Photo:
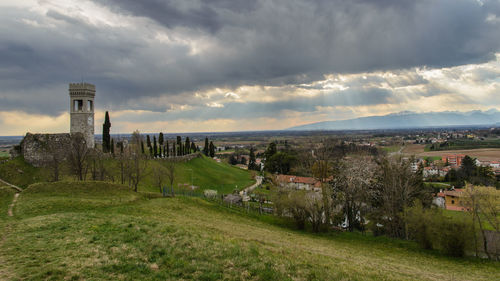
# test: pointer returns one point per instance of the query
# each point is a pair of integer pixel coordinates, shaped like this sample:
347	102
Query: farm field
103	231
486	154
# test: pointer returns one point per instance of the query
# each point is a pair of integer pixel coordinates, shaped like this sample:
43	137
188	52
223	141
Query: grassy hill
203	172
6	195
102	231
22	174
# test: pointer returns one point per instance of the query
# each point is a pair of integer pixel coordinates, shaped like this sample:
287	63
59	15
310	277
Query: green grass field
101	231
6	196
203	172
4	154
390	149
206	174
22	174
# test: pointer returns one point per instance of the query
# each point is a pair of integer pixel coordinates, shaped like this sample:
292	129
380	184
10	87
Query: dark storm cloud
278	42
236	110
205	15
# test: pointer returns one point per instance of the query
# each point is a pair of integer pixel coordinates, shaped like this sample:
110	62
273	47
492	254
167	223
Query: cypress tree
142	147
212	150
187	146
155	147
106	144
148	141
205	149
168	150
179	146
113	146
252	165
173	149
160	139
193	147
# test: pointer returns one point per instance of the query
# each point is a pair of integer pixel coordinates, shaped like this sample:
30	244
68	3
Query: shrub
433	230
209	193
454	237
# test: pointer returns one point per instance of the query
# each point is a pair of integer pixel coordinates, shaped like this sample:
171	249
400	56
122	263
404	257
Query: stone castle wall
37	149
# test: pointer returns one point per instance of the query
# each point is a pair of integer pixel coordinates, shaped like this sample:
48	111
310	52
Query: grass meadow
202	172
103	231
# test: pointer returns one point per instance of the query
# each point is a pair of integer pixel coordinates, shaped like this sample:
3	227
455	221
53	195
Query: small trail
17	188
11	206
252	187
4	273
14	200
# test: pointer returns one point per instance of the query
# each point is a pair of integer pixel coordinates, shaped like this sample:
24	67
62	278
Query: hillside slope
99	231
202	172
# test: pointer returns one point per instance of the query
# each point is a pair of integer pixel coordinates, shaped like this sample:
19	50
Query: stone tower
82	110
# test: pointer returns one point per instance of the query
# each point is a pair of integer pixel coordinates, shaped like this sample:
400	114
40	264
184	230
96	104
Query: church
33	147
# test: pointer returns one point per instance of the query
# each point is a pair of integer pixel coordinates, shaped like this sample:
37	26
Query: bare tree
170	174
349	189
483	204
159	175
77	155
291	203
54	158
396	189
96	163
138	162
315	208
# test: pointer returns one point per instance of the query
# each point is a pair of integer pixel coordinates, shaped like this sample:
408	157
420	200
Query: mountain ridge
408	119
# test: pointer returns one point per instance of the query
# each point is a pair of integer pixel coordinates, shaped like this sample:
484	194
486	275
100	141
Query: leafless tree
170	174
396	189
138	162
350	187
159	174
483	204
315	208
78	155
291	203
54	158
96	163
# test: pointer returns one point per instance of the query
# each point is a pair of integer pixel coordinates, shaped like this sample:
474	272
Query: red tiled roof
455	193
296	179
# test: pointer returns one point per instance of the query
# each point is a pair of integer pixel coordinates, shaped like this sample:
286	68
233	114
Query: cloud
241	58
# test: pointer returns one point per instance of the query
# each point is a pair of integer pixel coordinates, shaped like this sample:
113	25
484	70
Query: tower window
78	105
89	105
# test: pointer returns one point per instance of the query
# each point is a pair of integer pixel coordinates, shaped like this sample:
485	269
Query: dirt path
10	212
252	187
11	206
17	188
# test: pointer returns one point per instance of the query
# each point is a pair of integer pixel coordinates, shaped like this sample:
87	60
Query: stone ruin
38	148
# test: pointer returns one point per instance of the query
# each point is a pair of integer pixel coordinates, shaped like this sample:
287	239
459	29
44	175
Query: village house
453	200
439	200
453	159
300	183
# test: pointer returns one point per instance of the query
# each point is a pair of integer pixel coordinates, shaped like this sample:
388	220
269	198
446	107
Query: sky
233	65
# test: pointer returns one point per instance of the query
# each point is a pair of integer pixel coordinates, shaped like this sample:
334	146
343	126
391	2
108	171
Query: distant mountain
408	119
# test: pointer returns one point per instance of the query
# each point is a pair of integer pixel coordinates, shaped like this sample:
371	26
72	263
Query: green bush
454	237
432	229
